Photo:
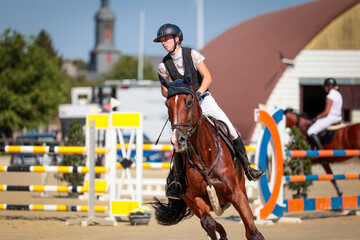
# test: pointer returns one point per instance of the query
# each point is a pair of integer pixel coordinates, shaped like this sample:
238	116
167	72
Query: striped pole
321	177
323	203
58	208
47	188
50	149
82	150
323	153
150	165
150	147
164	147
54	169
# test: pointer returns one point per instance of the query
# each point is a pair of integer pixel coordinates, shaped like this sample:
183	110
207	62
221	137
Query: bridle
190	128
190	131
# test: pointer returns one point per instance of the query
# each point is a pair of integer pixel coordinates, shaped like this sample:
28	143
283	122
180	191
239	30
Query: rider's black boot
251	173
316	141
174	189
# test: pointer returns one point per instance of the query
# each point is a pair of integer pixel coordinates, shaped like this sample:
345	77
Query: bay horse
347	137
208	164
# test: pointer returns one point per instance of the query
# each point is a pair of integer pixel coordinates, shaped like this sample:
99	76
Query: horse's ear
164	81
188	75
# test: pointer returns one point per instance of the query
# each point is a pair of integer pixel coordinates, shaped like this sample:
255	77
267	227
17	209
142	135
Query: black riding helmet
169	29
330	82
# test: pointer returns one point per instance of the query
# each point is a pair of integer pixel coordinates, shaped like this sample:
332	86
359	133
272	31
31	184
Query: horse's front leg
202	211
241	204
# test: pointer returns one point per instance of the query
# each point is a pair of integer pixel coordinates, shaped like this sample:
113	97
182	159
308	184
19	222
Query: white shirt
179	62
208	104
337	103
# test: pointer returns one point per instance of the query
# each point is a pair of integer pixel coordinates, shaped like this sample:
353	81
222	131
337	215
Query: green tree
32	85
43	40
126	68
74	137
298	166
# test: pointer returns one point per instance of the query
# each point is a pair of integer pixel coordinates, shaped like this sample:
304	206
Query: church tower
104	54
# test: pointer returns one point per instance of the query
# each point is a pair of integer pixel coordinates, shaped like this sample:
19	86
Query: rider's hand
314	119
198	95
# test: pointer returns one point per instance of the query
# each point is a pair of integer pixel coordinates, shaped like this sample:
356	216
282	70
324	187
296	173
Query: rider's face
327	88
168	42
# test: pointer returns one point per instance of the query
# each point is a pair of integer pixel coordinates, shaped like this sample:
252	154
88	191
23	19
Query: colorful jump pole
91	218
47	207
270	197
271	193
323	153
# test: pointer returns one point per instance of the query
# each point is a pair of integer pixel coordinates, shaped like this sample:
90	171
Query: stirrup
173	194
251	177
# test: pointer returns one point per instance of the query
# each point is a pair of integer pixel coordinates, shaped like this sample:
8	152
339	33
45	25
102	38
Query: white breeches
322	123
210	107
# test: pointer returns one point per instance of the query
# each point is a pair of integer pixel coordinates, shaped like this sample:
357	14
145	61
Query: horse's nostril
182	140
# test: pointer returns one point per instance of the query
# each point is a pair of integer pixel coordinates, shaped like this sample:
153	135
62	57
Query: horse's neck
203	136
300	122
304	124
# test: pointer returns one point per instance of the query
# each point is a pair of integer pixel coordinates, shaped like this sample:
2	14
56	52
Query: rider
331	114
172	67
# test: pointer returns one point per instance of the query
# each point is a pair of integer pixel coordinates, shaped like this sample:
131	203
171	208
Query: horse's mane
302	115
291	110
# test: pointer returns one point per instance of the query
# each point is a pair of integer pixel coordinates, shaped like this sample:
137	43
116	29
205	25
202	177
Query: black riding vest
188	63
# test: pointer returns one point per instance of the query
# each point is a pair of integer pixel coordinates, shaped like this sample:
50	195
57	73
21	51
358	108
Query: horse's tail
172	212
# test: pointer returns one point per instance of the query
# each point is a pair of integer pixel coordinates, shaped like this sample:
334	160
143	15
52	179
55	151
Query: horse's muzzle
179	141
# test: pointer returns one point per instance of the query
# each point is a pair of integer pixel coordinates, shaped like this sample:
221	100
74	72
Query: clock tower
104	54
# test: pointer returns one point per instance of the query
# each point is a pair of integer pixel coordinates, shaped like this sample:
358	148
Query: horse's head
292	117
183	109
295	119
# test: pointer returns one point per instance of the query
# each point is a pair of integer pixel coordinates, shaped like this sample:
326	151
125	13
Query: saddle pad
337	126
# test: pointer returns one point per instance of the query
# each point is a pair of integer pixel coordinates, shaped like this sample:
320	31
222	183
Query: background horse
347	137
209	162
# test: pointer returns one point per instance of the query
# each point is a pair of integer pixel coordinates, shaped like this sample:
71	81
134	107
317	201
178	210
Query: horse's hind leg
241	205
328	170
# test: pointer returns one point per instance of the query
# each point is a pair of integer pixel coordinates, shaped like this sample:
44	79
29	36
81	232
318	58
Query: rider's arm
164	91
327	108
207	79
165	74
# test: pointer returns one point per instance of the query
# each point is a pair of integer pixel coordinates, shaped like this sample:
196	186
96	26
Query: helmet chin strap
175	44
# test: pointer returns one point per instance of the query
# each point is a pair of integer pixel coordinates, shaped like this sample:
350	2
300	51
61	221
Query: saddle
223	130
328	134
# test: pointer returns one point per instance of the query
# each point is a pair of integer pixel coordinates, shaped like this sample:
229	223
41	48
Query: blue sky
71	24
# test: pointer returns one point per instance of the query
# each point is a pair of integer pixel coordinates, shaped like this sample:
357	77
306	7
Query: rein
195	150
204	171
297	119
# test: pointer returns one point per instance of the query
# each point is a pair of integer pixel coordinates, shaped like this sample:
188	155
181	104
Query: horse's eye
188	102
